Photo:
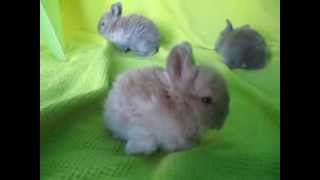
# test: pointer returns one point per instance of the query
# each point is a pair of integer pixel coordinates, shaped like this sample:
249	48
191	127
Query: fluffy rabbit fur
129	33
241	47
168	108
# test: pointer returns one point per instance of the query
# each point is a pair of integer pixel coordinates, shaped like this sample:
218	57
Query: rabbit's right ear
247	26
116	9
180	65
229	27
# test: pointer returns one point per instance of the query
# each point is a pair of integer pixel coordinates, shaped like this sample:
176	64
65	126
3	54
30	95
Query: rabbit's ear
229	27
180	64
116	9
247	26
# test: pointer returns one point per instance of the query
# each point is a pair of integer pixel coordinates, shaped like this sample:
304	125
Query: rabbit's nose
244	65
98	27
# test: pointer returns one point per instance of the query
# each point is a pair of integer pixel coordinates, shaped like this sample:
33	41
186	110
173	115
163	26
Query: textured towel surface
74	143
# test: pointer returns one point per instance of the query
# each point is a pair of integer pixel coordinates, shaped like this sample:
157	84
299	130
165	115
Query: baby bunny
155	108
129	33
241	47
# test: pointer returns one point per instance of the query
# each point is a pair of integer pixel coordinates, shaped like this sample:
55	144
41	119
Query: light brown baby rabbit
130	33
168	108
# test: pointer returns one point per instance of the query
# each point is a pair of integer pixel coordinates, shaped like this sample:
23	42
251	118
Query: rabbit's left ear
229	27
116	9
247	26
180	64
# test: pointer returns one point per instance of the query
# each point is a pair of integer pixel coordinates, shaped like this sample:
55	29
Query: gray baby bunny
242	47
129	33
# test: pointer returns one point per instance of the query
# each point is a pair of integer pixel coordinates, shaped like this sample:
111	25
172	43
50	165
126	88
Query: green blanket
74	142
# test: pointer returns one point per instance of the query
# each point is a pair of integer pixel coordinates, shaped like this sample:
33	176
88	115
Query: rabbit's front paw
142	146
124	48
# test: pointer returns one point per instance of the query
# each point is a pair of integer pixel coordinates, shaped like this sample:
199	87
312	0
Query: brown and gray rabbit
130	33
242	47
155	108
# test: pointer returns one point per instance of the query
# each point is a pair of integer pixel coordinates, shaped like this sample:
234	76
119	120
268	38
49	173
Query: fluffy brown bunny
168	108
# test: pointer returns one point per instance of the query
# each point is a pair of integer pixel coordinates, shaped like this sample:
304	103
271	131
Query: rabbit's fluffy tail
149	53
155	50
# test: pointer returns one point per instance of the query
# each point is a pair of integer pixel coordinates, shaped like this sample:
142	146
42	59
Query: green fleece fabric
74	143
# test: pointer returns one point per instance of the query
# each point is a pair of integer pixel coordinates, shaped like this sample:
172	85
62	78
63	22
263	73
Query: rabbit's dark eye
166	94
102	24
206	100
